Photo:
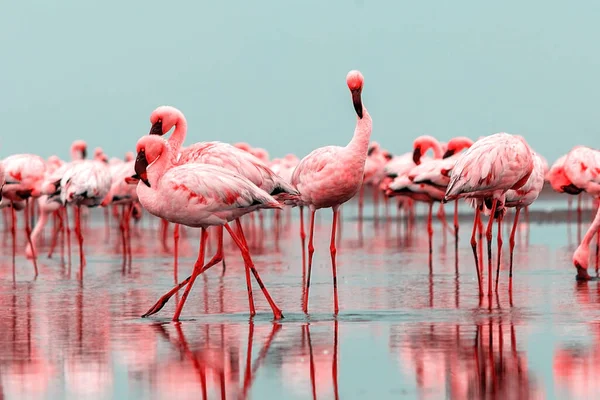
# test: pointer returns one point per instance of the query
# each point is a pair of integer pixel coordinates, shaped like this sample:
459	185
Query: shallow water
405	330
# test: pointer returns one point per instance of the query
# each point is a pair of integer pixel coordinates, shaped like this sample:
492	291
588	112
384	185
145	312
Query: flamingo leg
197	267
303	239
13	214
456	232
499	250
248	261
474	246
311	250
333	252
488	236
57	231
79	237
311	363
376	203
361	202
28	233
579	217
441	214
242	239
175	250
164	230
512	247
68	230
430	230
218	257
334	366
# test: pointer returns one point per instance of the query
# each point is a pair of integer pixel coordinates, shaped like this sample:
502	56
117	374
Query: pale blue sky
272	72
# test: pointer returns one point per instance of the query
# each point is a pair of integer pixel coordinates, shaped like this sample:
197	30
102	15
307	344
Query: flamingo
375	163
485	172
164	118
83	183
198	195
23	175
55	169
330	176
582	169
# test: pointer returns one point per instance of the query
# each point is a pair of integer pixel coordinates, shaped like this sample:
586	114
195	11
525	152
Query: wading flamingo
23	175
489	168
164	118
330	176
198	195
582	169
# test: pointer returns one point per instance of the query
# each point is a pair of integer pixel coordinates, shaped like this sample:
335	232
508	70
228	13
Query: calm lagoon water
404	330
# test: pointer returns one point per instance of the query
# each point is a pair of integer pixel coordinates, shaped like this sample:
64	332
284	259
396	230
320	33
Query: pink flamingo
520	198
485	172
164	118
330	176
198	195
23	174
582	169
55	169
84	183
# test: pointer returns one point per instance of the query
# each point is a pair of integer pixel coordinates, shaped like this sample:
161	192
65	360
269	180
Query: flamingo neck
359	145
178	137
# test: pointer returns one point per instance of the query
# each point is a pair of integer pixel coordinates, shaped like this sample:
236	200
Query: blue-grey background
272	72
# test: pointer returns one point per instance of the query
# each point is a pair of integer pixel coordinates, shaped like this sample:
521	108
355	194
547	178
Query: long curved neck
178	137
359	145
435	146
157	169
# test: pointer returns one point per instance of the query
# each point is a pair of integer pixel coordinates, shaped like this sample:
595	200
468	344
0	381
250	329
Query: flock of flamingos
214	184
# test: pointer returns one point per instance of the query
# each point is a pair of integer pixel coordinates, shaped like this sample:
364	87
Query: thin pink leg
176	251
248	261
333	252
499	255
247	268
474	247
488	235
311	250
68	230
214	261
197	267
79	238
430	230
303	240
57	231
512	248
456	233
28	233
14	234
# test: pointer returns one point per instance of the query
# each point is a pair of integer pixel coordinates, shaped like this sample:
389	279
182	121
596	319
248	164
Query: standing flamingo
330	176
23	175
582	169
84	183
489	168
198	195
164	118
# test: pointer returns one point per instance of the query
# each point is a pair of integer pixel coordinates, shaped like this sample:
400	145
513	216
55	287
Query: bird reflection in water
457	361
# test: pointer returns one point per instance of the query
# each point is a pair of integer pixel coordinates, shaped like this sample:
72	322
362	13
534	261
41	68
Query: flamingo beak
417	155
141	163
157	128
356	100
448	153
84	153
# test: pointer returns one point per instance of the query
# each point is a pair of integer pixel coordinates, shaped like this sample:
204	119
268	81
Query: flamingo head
580	261
79	148
163	119
355	82
457	144
99	155
149	149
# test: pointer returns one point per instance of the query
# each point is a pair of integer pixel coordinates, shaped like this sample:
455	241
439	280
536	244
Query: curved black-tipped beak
370	151
157	128
388	156
571	189
448	153
141	164
417	155
356	100
84	153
